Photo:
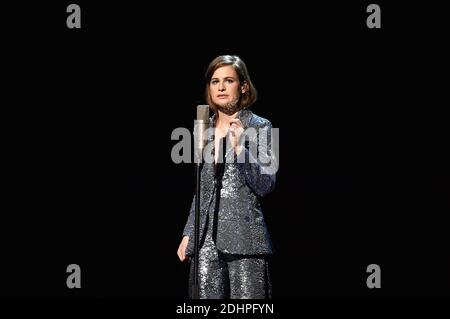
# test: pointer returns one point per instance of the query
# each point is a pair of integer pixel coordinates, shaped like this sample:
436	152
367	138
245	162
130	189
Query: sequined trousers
229	276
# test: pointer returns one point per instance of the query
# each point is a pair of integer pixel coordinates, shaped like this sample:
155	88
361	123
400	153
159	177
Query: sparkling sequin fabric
231	190
228	276
234	241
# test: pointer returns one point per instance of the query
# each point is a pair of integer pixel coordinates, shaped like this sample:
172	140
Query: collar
243	115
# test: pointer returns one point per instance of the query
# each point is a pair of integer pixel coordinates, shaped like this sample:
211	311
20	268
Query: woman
235	245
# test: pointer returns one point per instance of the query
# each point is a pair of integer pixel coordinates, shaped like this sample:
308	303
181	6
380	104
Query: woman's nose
221	87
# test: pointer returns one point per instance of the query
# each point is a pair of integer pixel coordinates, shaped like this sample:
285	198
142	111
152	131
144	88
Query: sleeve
189	227
259	164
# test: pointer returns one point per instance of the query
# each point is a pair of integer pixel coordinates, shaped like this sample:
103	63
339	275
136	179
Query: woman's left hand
236	129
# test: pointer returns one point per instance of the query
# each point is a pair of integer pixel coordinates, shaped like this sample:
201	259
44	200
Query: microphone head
203	113
200	131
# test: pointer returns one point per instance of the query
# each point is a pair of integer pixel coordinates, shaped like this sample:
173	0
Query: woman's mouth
222	96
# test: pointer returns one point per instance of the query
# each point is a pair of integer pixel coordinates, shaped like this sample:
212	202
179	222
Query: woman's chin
227	111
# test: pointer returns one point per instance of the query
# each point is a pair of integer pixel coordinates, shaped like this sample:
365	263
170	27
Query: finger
236	122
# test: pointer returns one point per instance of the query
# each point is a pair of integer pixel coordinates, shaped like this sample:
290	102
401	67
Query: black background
88	116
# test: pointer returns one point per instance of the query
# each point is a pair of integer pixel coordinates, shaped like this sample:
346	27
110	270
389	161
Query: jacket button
247	218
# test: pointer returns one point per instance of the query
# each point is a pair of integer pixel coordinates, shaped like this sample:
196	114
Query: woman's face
225	89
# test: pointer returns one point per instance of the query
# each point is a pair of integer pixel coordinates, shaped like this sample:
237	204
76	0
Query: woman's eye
230	81
214	82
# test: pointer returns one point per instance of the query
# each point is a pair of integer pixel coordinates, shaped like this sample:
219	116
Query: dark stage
88	117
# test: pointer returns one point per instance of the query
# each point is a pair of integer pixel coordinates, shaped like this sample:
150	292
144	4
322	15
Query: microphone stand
201	135
195	286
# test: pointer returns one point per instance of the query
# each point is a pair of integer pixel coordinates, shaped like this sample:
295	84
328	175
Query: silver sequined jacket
231	192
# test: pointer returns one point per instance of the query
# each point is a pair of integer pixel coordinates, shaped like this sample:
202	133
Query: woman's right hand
181	252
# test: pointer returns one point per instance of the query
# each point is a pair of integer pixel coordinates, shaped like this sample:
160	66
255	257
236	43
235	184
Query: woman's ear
244	87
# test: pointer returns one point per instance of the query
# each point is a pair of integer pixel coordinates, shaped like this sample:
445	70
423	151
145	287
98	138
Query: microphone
201	131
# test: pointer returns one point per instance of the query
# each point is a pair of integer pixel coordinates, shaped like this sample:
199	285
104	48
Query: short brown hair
250	95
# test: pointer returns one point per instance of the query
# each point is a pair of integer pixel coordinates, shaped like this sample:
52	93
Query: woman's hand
181	252
236	129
